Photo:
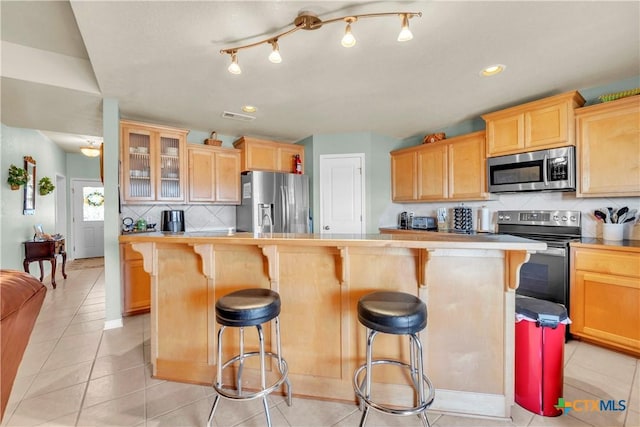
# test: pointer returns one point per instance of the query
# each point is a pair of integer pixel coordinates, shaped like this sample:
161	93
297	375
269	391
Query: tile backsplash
529	201
197	217
221	218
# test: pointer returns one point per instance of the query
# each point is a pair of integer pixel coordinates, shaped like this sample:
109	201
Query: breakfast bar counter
467	282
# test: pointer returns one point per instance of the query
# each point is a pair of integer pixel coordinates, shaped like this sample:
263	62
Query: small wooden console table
45	250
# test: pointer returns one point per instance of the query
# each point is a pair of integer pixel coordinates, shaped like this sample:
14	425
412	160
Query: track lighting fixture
309	21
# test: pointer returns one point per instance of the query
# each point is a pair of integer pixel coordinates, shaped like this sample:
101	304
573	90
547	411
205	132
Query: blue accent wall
15	227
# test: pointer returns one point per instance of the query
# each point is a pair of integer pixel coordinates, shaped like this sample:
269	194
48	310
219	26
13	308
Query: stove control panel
547	218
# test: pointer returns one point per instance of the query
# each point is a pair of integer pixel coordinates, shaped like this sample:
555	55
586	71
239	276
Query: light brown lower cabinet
605	296
136	283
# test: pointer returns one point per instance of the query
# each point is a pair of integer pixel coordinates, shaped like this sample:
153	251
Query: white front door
342	193
88	218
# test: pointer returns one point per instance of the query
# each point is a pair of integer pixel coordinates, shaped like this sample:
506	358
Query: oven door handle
561	252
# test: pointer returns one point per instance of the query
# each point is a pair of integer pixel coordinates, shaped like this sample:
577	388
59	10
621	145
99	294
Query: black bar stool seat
240	309
248	307
392	313
396	313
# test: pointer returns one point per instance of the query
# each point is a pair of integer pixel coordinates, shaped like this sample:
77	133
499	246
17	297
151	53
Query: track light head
274	56
405	33
349	40
234	68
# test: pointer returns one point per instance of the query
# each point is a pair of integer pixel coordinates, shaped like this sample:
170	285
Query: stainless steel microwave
545	170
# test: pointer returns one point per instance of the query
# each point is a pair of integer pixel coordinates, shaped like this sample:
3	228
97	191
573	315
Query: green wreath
95	199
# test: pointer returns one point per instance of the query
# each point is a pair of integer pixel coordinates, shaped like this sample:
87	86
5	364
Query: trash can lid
540	310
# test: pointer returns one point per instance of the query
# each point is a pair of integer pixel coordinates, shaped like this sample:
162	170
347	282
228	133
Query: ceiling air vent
237	116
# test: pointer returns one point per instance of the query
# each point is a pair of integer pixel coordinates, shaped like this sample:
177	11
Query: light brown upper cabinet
214	174
467	171
153	163
451	169
432	172
537	125
404	172
263	155
608	149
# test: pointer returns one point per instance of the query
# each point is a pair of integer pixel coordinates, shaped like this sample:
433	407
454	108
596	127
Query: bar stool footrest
233	394
415	410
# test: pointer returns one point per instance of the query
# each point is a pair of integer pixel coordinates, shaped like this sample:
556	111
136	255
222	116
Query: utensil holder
612	232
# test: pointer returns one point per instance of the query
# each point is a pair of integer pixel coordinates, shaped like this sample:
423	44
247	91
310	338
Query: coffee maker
404	220
172	221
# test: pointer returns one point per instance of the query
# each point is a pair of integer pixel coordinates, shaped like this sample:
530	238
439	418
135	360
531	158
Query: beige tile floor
75	373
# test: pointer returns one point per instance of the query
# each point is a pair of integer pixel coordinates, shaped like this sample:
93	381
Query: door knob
326	227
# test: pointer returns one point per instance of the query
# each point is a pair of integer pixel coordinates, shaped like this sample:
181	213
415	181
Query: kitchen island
467	282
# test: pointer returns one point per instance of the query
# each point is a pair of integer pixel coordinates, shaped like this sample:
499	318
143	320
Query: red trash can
539	354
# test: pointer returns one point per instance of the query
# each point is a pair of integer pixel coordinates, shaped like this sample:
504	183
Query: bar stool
249	307
395	313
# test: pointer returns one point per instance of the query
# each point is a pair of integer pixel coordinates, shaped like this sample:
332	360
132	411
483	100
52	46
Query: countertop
409	240
590	242
419	230
593	242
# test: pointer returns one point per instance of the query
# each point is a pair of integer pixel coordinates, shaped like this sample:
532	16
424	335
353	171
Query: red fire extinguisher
298	164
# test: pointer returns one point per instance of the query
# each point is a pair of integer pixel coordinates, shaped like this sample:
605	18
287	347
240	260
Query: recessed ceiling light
492	70
249	109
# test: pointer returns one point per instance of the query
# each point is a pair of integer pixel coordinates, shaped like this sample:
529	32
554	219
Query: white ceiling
161	61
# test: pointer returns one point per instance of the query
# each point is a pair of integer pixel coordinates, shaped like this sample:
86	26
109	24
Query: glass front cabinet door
153	163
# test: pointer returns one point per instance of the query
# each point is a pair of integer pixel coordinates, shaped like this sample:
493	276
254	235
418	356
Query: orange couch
21	297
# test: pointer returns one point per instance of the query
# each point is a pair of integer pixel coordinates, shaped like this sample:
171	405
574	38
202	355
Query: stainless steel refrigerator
274	201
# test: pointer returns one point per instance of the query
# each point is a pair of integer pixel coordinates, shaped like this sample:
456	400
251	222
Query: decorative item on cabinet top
213	141
613	96
434	137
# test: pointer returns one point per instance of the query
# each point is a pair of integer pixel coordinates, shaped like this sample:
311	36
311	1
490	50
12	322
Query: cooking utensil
629	216
600	215
621	214
610	216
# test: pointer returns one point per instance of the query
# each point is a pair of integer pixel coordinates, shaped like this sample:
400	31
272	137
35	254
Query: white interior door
342	193
88	218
